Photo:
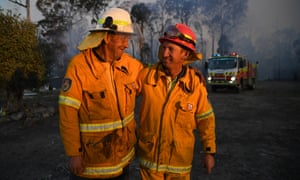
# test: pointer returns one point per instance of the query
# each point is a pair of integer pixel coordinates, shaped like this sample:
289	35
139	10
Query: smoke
268	34
268	16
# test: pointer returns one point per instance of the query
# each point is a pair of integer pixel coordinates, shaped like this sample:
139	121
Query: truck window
222	63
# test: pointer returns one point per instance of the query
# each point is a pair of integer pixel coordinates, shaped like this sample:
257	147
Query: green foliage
18	49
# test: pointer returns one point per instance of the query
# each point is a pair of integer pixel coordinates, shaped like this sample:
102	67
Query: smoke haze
266	16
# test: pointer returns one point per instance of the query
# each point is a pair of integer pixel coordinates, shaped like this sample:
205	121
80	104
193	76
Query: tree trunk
14	100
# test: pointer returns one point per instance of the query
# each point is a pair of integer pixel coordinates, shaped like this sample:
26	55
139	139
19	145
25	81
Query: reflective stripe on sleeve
165	168
94	171
69	101
204	115
100	127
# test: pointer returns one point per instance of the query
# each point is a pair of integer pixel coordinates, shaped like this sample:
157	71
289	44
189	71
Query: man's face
173	56
117	43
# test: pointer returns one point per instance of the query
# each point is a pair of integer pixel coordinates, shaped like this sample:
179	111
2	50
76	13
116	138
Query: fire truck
231	71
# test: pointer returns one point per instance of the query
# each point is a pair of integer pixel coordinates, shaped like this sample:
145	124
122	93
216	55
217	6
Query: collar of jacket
92	58
185	81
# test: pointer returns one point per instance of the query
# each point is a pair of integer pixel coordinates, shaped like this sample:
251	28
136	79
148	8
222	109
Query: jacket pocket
98	149
131	128
124	140
185	115
98	104
183	150
146	146
184	139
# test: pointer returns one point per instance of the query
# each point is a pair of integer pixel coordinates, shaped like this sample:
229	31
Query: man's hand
76	165
208	162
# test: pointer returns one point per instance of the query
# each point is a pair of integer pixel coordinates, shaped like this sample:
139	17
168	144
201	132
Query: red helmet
180	34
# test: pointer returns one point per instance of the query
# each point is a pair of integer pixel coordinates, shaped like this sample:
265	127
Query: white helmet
115	19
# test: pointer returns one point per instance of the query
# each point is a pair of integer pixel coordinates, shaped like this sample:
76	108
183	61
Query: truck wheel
252	86
238	89
240	86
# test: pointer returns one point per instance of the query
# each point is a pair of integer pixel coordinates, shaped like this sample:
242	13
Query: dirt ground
258	138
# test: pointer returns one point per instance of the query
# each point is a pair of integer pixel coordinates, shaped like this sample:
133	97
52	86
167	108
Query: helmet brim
109	30
92	40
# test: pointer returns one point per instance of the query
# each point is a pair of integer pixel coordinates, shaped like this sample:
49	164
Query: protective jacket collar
186	80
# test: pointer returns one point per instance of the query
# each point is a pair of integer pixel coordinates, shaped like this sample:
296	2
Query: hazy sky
264	15
267	16
34	13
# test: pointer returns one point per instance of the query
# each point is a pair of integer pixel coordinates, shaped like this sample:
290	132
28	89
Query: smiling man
97	100
174	104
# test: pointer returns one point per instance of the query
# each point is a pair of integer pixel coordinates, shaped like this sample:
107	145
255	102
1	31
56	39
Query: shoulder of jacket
132	59
145	69
151	67
128	57
77	59
148	70
198	74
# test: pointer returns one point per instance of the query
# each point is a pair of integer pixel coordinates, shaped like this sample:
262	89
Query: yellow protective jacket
168	119
95	121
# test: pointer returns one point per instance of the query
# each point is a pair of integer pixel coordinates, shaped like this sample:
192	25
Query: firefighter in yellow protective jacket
97	101
174	103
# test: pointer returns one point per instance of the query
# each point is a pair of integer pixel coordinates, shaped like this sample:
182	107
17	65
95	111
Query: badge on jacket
66	84
189	106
